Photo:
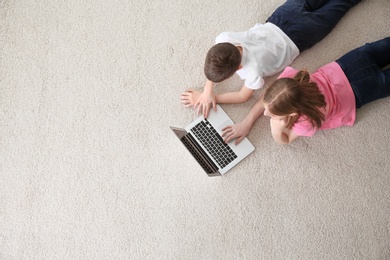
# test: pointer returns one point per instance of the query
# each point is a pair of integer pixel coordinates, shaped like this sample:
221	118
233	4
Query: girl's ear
293	114
239	67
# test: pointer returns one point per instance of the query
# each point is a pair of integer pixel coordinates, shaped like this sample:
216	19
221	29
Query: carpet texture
90	170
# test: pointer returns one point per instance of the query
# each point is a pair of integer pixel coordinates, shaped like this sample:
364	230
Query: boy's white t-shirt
267	50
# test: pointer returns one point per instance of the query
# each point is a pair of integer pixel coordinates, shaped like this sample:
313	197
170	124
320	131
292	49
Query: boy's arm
235	97
240	130
206	99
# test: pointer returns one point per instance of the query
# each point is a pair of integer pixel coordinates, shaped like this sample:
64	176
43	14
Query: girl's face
267	113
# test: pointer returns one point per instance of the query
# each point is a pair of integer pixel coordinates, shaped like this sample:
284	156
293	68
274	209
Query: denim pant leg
304	27
363	68
312	5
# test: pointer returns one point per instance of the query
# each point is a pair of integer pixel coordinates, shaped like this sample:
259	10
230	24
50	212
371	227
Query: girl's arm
240	130
281	134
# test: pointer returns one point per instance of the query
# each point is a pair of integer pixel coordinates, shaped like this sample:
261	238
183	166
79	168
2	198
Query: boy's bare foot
189	97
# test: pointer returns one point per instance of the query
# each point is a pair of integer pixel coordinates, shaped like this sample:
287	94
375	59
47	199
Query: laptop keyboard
209	137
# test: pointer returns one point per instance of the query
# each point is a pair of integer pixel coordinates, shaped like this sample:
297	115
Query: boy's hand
189	97
204	103
238	131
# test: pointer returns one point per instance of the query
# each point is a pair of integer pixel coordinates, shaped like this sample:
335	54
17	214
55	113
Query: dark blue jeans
363	67
307	22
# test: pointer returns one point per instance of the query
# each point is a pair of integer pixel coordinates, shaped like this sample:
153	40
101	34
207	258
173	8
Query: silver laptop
204	141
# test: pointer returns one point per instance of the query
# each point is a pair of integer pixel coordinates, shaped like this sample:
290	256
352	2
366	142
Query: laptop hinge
203	159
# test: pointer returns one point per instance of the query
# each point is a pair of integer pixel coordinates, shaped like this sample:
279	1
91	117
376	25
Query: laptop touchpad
223	125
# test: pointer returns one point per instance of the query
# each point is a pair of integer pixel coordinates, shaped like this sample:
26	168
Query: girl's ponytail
303	77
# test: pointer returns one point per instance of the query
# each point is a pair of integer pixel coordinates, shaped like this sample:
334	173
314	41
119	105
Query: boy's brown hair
222	61
297	95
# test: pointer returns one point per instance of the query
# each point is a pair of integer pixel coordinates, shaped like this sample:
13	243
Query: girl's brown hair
296	95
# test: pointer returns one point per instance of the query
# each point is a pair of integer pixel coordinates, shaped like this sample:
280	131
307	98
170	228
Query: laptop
203	140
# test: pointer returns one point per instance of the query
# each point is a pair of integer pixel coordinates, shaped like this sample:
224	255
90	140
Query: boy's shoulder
222	37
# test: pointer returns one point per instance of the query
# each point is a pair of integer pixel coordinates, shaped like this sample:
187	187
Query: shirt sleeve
222	37
288	72
303	127
254	84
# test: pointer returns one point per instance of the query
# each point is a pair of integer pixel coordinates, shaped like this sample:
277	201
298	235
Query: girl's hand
238	131
280	133
277	126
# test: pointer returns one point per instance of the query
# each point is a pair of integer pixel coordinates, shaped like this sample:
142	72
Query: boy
265	49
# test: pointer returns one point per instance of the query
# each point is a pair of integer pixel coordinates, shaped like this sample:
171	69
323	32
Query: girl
300	104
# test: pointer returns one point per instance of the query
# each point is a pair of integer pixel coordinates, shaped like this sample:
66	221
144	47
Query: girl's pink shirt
340	100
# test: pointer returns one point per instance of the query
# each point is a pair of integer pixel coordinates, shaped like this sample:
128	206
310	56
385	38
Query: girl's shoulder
303	127
288	72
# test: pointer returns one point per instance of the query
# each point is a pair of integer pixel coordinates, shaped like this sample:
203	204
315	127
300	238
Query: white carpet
90	170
